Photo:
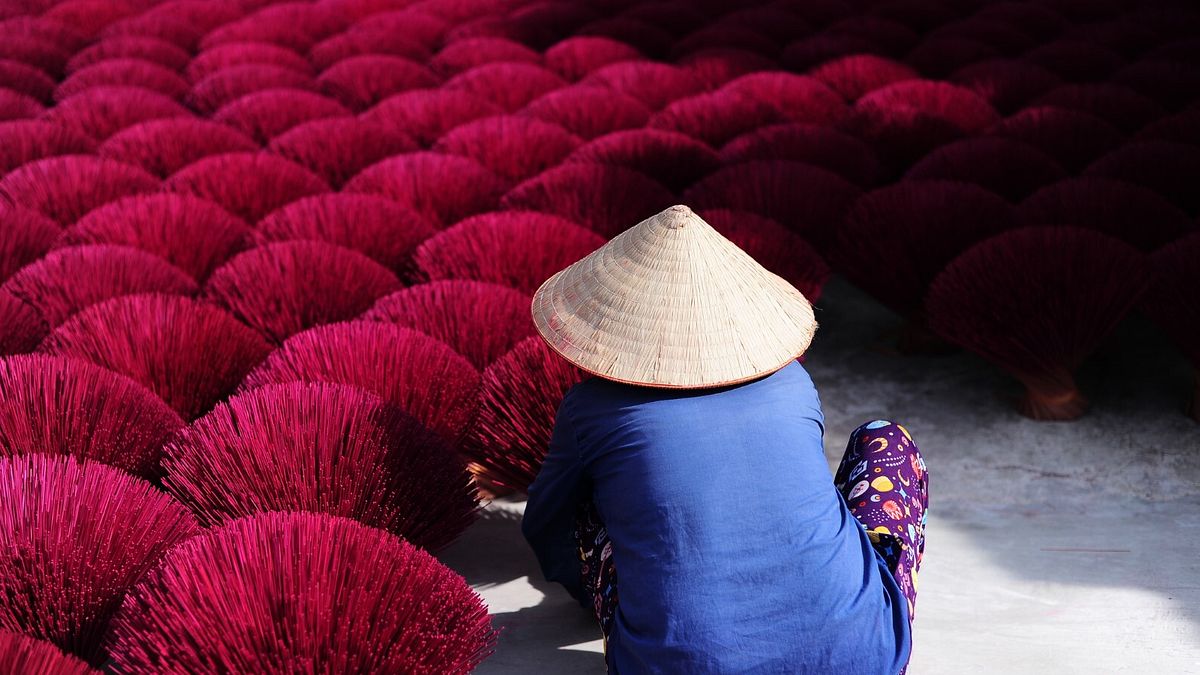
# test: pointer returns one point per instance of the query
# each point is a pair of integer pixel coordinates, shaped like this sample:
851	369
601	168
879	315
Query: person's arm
549	521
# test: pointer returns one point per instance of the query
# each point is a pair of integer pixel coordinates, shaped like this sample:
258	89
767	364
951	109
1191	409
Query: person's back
734	550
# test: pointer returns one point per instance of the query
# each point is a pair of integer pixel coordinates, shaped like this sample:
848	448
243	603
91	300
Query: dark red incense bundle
1076	61
1008	84
359	41
234	54
165	146
1120	106
576	57
263	115
1011	169
14	106
66	406
443	188
653	84
70	279
520	397
939	55
641	35
480	320
74	538
23	325
508	85
282	592
66	187
322	448
337	148
924	223
248	185
192	234
421	374
715	118
796	98
809	53
1071	137
230	83
809	200
359	82
676	160
463	55
281	289
589	111
27	80
123	73
1127	38
892	36
24	655
27	237
1182	127
1171	302
151	50
721	35
677	17
1127	211
1052	296
518	249
957	106
1170	169
999	34
775	247
827	148
513	147
1038	20
376	227
426	114
717	67
604	198
101	112
189	353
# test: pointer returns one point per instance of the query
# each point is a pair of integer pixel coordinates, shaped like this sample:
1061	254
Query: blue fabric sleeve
549	521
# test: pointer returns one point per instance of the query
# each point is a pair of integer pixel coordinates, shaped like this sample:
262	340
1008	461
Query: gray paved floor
1051	547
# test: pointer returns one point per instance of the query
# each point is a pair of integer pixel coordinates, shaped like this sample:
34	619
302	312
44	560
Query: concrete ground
1051	547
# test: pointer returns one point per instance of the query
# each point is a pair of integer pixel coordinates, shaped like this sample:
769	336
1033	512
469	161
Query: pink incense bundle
1120	106
1071	137
426	114
463	55
230	83
68	280
62	406
603	198
519	400
192	234
1008	84
14	106
41	53
576	57
101	112
283	288
716	117
775	247
87	17
422	375
808	200
513	147
338	148
443	188
1051	297
415	26
480	320
74	538
26	80
23	325
165	146
1130	212
359	42
517	249
376	227
717	67
1076	60
778	22
676	160
653	84
148	49
797	98
234	54
28	235
1170	169
263	115
68	186
292	592
179	33
24	655
295	25
204	15
508	85
859	74
123	73
809	53
589	111
321	448
248	185
188	353
820	146
1172	304
924	223
1011	169
359	82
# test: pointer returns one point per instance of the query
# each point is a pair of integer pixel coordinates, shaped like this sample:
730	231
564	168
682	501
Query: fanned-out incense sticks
463	55
589	111
24	327
66	187
359	82
264	115
860	74
1172	303
508	85
1011	169
1129	212
229	83
1072	137
576	57
165	146
149	49
820	146
338	148
674	159
28	235
425	114
775	247
24	655
443	188
23	141
100	112
234	54
123	73
513	147
601	197
248	185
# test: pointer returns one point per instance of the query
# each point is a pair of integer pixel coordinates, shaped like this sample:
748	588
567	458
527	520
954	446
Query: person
685	497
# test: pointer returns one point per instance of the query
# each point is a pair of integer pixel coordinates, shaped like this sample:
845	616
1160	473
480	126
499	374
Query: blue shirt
734	551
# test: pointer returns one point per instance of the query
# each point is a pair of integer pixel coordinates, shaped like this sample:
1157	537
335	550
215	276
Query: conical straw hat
672	303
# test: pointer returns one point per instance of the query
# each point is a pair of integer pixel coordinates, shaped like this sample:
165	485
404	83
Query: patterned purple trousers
883	479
